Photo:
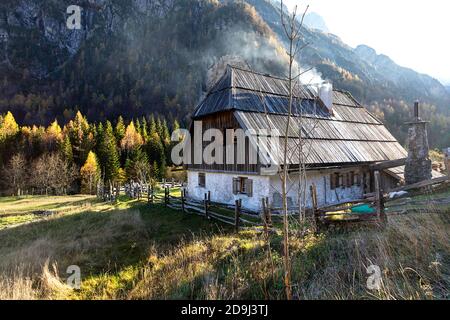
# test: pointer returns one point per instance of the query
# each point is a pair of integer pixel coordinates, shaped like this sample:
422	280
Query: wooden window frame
357	179
243	186
350	179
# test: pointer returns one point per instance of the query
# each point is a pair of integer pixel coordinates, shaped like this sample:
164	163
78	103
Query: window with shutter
201	180
243	185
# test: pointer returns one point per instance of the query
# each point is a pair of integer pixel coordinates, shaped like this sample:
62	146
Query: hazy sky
414	33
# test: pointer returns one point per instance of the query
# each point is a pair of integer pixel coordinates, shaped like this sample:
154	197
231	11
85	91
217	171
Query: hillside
131	250
131	58
388	89
315	21
146	56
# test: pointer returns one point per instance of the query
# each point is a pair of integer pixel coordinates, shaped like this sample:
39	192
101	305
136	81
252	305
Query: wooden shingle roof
350	134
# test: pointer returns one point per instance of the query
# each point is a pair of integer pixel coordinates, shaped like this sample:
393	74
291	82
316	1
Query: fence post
152	199
209	197
237	214
182	200
269	213
379	201
166	199
205	203
314	203
264	216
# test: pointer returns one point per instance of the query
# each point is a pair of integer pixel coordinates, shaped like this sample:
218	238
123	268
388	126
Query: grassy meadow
132	250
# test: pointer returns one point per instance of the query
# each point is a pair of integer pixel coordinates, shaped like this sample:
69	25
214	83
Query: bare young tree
51	174
292	29
15	174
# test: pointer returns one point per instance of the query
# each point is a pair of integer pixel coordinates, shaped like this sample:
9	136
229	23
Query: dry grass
137	252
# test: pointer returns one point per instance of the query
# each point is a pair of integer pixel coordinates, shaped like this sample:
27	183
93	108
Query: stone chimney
447	161
418	164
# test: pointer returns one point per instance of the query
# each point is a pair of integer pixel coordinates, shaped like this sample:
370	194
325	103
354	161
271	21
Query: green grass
132	250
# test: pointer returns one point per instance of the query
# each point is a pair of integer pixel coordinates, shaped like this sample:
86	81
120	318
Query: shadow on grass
99	242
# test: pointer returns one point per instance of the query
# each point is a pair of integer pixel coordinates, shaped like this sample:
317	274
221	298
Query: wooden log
421	184
387	164
338	206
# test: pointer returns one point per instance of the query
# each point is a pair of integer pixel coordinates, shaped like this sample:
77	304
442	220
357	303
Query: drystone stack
418	164
447	161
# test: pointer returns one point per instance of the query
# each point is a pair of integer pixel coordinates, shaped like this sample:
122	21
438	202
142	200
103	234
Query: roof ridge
268	75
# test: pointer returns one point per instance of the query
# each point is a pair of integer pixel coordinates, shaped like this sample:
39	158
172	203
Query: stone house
342	138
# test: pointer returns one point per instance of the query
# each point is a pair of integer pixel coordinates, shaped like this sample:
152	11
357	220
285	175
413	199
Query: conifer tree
108	154
120	129
66	149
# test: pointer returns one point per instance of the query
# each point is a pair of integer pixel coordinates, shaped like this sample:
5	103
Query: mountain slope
370	77
315	21
386	88
151	56
130	58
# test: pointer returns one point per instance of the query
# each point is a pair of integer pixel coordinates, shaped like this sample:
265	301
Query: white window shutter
235	186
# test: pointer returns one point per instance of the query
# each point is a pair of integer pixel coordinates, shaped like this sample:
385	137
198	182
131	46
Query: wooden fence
240	218
235	216
381	203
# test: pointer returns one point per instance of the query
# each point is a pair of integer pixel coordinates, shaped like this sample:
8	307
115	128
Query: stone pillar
418	164
447	161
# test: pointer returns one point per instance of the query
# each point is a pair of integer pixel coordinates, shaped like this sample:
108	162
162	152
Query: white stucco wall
221	187
323	185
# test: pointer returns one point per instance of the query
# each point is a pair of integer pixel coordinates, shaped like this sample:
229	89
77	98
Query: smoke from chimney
326	95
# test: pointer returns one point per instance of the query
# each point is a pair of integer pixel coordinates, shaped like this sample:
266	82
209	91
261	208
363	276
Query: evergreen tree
120	129
137	166
81	137
108	154
66	149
